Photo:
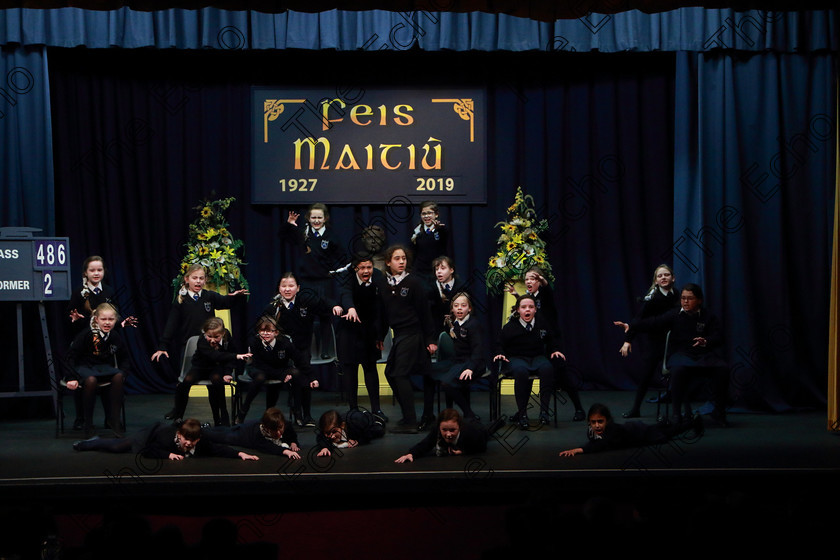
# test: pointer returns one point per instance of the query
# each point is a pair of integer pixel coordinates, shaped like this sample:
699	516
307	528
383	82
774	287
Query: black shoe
523	422
204	425
78	424
80	445
381	416
426	422
171	415
514	418
308	422
579	416
403	427
631	414
240	418
544	419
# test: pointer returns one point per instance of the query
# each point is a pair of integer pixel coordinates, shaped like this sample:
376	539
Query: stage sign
372	147
33	268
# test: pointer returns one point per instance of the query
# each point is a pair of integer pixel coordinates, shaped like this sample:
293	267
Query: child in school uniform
83	301
269	435
430	239
445	286
99	354
166	441
357	427
192	307
457	373
406	312
525	344
451	436
359	332
214	359
660	298
605	435
322	255
295	310
273	356
90	294
536	285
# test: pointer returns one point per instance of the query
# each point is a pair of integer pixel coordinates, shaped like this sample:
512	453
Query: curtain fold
754	186
26	163
685	29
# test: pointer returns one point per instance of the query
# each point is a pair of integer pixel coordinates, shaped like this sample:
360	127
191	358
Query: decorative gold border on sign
273	108
464	108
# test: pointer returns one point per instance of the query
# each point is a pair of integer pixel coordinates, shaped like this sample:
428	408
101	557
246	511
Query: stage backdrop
137	149
617	151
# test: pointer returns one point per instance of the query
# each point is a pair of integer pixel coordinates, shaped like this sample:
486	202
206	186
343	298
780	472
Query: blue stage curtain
26	163
754	190
685	29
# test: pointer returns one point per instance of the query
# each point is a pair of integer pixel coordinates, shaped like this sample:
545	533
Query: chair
666	376
186	362
245	378
446	351
502	373
386	347
318	348
63	391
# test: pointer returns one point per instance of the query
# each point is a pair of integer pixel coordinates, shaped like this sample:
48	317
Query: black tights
113	399
215	394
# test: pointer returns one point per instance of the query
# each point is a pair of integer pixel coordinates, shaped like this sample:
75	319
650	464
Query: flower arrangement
211	245
519	245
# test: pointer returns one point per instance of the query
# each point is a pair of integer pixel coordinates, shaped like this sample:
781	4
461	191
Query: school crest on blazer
302	311
208	307
404	292
281	354
324	244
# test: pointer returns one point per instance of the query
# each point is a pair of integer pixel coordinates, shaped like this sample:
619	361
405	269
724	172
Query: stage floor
788	444
784	458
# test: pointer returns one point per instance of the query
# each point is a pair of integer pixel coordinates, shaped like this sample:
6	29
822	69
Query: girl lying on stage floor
357	427
605	435
271	434
452	436
165	441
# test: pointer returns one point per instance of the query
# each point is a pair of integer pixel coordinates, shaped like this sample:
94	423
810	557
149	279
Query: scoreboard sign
368	146
34	268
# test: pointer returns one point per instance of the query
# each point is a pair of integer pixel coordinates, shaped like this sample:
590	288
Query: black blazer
84	352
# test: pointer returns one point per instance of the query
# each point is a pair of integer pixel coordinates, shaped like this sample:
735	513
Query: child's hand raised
292	219
156	356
